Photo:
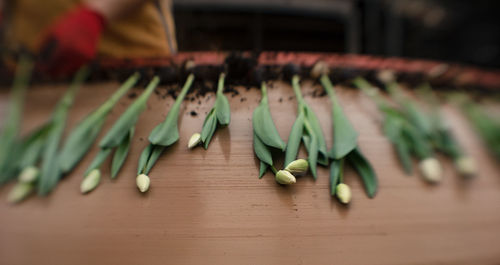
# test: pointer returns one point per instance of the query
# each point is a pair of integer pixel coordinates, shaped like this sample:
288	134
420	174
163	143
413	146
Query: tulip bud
284	177
90	181
194	140
431	169
320	68
20	192
386	76
29	175
142	181
298	167
343	193
466	166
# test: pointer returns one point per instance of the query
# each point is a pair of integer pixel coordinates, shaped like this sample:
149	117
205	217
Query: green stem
263	89
341	174
183	93
296	88
108	105
220	87
273	169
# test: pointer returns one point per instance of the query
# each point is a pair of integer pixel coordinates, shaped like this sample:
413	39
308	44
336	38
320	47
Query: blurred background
450	30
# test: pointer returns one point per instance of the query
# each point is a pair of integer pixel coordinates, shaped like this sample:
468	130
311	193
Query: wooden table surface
209	207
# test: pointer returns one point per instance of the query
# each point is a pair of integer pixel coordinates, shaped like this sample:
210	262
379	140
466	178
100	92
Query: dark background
449	30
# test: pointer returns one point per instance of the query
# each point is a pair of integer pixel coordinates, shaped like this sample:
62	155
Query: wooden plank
209	207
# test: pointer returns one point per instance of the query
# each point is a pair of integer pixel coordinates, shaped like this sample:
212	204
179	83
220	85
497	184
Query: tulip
142	182
285	178
298	167
343	193
431	170
91	181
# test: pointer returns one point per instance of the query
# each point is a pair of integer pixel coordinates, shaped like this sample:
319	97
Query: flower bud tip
431	170
285	178
29	175
466	166
90	181
343	192
297	167
20	191
142	182
194	140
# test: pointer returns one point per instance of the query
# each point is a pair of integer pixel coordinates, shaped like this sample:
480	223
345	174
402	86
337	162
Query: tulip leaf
417	143
12	123
316	129
143	159
393	131
336	171
312	155
84	134
262	169
365	170
50	171
98	160
155	154
264	127
209	126
121	153
33	146
222	104
292	147
261	150
129	118
167	132
345	137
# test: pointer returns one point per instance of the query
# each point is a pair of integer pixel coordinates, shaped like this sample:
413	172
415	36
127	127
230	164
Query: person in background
66	34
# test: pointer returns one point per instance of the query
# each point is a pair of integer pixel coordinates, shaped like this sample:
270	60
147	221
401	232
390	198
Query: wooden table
209	207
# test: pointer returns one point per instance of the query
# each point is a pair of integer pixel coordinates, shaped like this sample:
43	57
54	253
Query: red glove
71	41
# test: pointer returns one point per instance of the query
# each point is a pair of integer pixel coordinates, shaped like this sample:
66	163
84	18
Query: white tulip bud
297	167
284	177
466	166
386	76
29	175
90	181
343	193
142	181
194	140
20	192
431	170
189	65
319	69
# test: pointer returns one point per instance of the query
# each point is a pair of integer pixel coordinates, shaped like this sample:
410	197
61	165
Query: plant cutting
266	138
345	148
306	129
483	122
162	136
9	144
50	171
219	115
405	137
82	137
442	137
118	138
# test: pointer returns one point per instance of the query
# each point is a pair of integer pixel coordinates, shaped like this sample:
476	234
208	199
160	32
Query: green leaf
318	132
143	159
264	127
121	154
155	154
365	170
263	169
393	126
167	133
294	138
336	172
345	137
98	160
209	126
50	171
32	146
128	119
222	104
84	134
12	123
261	150
417	142
312	156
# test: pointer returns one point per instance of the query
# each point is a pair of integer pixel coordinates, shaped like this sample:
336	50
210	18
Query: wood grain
209	207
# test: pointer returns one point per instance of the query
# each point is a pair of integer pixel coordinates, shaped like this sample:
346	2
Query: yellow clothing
148	32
